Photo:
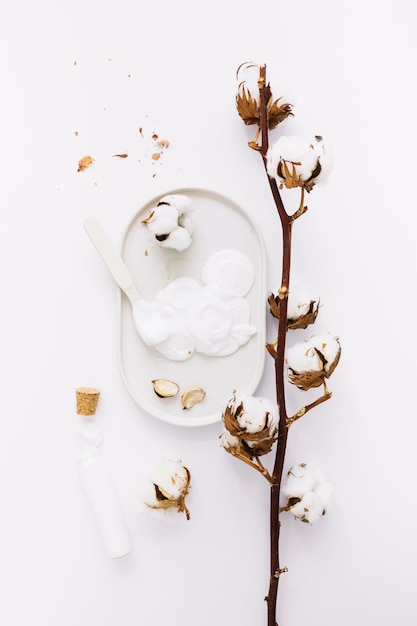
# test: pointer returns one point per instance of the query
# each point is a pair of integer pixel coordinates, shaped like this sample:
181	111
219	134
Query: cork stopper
87	398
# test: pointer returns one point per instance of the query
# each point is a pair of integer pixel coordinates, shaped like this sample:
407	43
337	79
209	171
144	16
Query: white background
103	70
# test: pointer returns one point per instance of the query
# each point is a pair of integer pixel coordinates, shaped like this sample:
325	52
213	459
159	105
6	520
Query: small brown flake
123	155
84	163
163	143
156	156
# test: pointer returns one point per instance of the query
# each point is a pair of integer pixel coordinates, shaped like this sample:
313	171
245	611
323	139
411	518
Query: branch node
280	571
271	349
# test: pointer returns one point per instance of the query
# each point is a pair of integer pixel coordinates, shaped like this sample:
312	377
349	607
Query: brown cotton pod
307	380
302	321
86	400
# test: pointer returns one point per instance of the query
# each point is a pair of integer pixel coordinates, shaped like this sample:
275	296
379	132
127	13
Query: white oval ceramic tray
219	224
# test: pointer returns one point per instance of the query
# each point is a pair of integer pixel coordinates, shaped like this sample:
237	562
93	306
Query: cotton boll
254	413
171	483
171	221
171	477
325	158
300	481
308	493
298	162
309	508
302	357
298	305
309	363
253	421
177	200
253	416
178	239
228	440
324	492
185	211
328	346
186	220
163	220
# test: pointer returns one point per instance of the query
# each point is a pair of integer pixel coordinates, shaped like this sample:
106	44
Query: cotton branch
293	163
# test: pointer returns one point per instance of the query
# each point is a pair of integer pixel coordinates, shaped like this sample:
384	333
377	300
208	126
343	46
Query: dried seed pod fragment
84	163
165	388
192	396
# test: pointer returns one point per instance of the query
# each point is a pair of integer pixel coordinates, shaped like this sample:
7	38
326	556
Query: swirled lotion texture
212	318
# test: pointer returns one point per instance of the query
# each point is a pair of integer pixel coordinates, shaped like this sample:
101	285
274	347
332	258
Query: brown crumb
146	253
156	156
76	133
163	143
84	163
123	155
141	131
155	137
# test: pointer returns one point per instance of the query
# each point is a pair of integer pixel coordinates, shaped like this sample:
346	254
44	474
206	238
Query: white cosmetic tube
104	504
95	477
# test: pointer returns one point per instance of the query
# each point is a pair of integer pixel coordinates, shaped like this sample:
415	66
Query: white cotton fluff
311	489
328	346
177	200
171	478
302	153
172	222
298	305
304	356
163	220
228	440
178	239
256	413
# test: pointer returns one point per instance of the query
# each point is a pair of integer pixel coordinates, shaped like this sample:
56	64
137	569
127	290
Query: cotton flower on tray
308	493
170	485
171	222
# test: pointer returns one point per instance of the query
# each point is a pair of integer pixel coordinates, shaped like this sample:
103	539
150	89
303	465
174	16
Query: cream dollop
212	318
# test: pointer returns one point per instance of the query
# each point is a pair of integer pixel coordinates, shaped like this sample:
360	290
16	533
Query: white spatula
112	258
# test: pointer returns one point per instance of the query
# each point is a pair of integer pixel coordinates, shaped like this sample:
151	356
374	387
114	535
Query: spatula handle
111	258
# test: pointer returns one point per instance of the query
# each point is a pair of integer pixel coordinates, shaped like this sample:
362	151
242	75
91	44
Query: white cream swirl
212	319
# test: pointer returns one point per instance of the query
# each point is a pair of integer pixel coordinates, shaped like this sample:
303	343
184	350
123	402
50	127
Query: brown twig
276	349
279	353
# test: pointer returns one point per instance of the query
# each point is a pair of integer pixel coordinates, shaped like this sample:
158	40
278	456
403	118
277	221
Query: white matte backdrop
81	78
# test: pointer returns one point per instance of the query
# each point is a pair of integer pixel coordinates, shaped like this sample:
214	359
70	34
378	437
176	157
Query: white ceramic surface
220	224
